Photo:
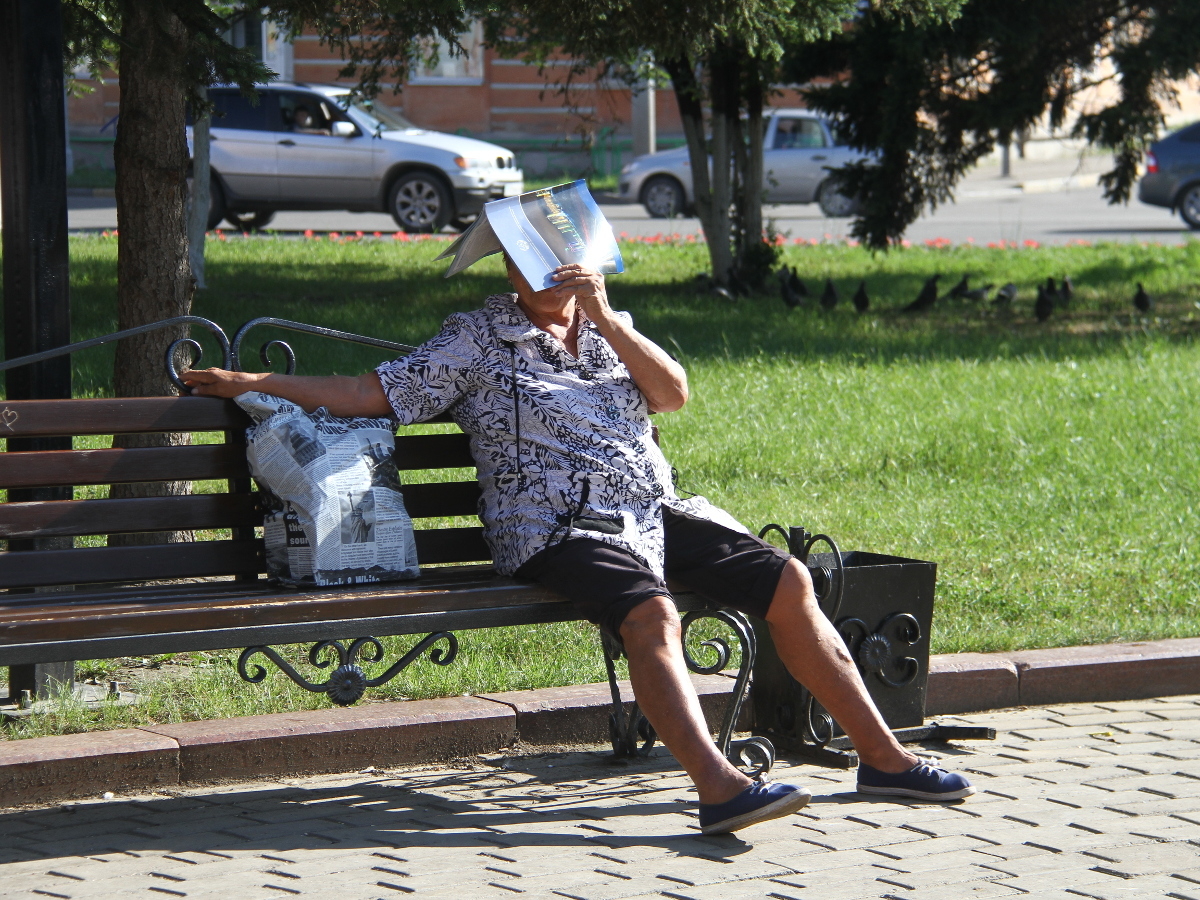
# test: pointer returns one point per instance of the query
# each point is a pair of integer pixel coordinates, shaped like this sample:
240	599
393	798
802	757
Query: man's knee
794	593
653	620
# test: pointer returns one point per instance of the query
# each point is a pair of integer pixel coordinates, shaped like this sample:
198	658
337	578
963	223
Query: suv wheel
663	197
250	221
1189	206
834	204
420	202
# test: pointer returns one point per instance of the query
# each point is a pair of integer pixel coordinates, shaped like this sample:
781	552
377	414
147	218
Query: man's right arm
342	395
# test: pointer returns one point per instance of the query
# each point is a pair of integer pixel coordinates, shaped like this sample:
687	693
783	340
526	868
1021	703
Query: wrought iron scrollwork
876	651
303	328
68	349
829	582
756	754
347	682
633	735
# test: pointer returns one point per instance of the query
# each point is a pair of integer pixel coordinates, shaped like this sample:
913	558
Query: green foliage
736	47
931	98
93	33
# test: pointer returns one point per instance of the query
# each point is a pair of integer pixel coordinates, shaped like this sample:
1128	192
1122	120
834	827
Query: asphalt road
982	213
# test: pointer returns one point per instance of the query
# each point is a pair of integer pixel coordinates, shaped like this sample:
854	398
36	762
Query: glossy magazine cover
541	230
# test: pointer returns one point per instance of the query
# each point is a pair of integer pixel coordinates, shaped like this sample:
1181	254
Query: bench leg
754	755
42	680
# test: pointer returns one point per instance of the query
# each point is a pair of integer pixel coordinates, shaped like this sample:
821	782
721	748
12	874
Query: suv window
232	110
1191	134
798	134
306	113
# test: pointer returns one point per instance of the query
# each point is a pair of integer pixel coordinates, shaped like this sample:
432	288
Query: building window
451	69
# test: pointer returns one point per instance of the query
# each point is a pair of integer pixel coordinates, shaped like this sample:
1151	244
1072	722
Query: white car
799	150
310	147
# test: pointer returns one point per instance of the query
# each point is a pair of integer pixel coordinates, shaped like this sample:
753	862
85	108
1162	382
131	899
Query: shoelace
929	766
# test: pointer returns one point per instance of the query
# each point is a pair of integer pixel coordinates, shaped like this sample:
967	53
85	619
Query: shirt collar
511	324
507	319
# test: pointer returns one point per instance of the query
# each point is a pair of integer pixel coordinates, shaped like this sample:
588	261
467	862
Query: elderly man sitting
555	389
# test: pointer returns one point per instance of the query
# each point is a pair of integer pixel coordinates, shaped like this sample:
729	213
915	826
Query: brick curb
40	770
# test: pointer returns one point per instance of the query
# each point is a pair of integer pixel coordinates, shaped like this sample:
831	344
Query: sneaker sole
780	807
917	795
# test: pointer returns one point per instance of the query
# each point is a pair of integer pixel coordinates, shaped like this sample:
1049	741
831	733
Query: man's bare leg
816	656
651	633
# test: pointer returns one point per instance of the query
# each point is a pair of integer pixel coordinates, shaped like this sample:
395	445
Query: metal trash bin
882	606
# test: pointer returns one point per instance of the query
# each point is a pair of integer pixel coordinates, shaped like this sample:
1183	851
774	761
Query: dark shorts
604	582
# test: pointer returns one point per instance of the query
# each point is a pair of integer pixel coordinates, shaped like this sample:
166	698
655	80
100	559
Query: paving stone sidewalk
1097	800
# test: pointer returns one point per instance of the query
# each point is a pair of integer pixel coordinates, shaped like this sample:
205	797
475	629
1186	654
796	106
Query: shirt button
611	411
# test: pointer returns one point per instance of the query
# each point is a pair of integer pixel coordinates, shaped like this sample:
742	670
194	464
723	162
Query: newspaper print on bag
582	421
334	510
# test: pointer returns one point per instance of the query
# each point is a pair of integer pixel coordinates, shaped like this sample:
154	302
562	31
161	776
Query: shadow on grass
400	294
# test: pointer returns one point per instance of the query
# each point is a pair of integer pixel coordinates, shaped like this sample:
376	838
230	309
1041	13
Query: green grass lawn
1049	469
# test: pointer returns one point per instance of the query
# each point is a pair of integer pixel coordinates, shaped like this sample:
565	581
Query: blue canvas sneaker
924	781
757	803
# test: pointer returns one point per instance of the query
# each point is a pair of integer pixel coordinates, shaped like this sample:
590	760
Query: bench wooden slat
91	565
123	415
70	518
200	559
464	587
219	615
122	466
452	545
433	451
450	498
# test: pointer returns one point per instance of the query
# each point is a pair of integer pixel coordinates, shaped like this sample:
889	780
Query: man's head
517	279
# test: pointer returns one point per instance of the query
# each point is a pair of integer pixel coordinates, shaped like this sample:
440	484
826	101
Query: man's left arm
662	380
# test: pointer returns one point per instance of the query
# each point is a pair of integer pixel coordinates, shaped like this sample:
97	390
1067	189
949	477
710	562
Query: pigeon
791	299
829	297
959	290
926	298
1066	291
1006	295
979	295
1043	307
861	301
1142	300
798	287
737	287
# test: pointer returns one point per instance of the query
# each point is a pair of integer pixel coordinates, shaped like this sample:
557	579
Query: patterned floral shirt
572	437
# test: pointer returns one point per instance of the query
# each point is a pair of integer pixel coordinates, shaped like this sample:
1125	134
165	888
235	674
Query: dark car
1172	176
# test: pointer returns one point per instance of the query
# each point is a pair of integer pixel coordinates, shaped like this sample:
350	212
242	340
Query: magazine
540	231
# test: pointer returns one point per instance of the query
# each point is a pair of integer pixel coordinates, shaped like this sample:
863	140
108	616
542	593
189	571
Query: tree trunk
753	176
154	279
199	196
753	259
691	112
724	92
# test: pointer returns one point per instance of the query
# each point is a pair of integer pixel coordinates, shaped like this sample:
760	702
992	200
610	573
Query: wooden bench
90	602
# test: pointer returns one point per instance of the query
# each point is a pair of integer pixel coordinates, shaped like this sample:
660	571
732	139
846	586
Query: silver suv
310	147
799	151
